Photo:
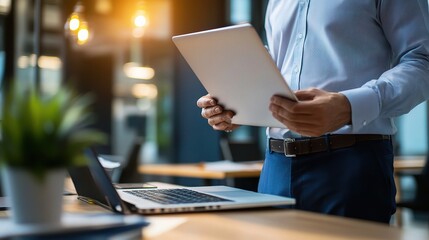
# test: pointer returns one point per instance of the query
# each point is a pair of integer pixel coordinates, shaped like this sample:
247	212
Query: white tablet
234	66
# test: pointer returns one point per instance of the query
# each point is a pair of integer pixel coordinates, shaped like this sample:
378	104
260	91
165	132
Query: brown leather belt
293	147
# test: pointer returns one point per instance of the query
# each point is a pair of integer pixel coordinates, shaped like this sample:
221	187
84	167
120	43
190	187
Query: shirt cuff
365	106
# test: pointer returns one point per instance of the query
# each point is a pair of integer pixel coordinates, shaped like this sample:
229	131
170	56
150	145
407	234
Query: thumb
307	94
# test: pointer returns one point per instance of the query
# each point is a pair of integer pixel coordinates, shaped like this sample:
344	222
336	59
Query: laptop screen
93	183
85	185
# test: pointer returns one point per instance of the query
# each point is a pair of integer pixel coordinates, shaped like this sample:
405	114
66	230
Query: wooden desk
405	164
272	224
200	170
197	170
260	224
257	224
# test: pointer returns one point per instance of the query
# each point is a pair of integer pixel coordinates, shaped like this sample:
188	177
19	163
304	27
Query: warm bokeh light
23	62
83	34
49	62
76	26
142	90
74	23
5	6
140	20
134	70
44	62
75	19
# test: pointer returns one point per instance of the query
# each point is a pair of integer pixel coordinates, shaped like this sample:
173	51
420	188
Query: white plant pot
34	201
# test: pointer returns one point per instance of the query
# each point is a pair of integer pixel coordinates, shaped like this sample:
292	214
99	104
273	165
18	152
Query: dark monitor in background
240	151
129	172
137	123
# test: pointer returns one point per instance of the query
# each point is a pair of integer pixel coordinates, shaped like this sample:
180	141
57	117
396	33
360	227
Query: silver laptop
95	186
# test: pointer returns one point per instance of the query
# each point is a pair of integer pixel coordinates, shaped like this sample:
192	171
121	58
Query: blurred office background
142	86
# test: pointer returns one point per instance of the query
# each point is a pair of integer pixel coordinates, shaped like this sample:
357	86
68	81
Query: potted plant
41	136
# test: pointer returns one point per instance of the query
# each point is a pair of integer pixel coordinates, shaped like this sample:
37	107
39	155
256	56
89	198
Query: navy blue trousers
354	182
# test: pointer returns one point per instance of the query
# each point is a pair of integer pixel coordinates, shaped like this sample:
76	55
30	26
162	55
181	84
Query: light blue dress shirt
375	52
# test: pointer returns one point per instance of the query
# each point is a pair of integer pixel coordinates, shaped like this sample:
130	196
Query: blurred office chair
129	171
420	202
239	151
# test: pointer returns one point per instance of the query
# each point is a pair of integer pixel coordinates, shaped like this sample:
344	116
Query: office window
412	135
49	62
240	11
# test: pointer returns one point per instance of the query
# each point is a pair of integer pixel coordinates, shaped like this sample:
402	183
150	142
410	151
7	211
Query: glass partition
412	135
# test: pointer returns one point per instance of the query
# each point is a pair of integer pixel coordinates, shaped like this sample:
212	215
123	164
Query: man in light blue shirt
355	65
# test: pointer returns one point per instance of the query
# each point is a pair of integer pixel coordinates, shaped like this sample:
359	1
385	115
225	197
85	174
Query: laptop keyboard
176	196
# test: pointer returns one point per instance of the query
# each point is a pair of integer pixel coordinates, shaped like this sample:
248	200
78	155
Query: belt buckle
286	148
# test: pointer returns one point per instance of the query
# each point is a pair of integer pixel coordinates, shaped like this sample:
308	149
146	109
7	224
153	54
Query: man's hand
216	116
317	112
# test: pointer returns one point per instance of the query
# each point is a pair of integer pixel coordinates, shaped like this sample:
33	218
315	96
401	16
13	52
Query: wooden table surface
403	163
200	170
257	224
272	224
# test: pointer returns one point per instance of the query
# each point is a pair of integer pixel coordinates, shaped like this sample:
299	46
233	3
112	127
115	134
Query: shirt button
364	123
299	35
296	70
